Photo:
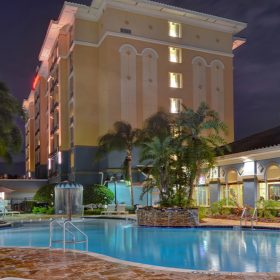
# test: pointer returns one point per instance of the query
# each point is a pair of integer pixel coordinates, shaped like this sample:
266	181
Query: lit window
175	55
175	105
175	29
175	80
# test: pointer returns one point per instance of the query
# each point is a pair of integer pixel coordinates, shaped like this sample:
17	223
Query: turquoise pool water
190	248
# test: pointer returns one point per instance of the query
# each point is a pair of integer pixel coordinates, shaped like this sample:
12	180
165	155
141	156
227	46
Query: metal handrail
242	216
51	233
81	232
254	217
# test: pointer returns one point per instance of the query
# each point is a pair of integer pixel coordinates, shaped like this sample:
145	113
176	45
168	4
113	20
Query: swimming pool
216	249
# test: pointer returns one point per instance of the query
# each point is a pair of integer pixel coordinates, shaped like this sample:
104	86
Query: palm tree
201	134
123	137
158	125
157	154
10	135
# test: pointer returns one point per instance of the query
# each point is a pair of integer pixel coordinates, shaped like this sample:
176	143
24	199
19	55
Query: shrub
29	205
202	213
220	207
93	211
45	194
268	208
50	211
43	210
97	194
130	209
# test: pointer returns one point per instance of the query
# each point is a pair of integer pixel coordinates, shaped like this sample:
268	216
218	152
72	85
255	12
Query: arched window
199	81
128	84
217	87
273	182
150	82
232	190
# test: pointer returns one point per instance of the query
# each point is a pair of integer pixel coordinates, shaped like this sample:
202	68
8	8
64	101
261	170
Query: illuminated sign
35	82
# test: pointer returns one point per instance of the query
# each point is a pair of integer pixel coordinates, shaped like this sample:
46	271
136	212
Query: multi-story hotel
121	60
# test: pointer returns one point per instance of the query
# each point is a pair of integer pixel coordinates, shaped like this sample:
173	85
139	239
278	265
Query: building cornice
66	17
163	11
148	40
258	154
144	7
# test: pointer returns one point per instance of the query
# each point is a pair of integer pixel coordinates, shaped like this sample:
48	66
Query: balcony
53	85
53	64
54	129
54	105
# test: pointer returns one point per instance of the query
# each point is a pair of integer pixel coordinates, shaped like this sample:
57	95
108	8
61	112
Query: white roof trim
168	12
257	154
66	17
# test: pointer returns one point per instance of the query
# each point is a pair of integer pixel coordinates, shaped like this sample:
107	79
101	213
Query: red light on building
35	82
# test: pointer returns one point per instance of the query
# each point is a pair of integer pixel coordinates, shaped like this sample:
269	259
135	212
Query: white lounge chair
121	209
111	209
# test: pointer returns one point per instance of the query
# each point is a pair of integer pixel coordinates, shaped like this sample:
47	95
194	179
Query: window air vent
125	30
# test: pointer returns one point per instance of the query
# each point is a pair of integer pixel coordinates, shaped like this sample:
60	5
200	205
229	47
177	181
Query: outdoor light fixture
49	164
59	157
114	180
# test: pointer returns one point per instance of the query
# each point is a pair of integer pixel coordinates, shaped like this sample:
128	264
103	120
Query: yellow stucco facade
125	60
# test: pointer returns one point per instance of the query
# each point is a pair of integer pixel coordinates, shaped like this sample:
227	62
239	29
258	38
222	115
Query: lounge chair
111	209
121	209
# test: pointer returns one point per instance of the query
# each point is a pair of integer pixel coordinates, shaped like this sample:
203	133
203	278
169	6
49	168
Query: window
175	80
274	191
175	105
70	62
71	87
175	30
201	195
175	55
72	136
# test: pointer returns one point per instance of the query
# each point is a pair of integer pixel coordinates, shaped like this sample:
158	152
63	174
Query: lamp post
113	178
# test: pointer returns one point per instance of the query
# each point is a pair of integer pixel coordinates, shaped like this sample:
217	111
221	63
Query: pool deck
55	265
48	264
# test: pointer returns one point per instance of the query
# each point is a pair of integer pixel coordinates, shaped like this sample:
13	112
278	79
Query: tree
158	125
200	136
98	194
185	149
45	194
123	137
157	154
10	135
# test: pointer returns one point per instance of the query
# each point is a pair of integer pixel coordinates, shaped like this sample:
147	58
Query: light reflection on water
202	249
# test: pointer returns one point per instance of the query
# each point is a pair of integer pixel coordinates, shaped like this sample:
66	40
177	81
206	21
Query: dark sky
23	25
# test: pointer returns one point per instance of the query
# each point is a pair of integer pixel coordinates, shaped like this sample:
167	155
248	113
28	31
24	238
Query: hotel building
121	60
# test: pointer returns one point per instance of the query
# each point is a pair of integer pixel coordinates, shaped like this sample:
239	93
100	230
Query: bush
202	213
29	205
220	207
130	209
268	208
45	194
43	210
93	211
98	194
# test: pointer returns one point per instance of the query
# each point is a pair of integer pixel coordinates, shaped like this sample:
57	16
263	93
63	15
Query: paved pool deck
45	264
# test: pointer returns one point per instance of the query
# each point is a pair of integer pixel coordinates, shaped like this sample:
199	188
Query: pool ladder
67	228
253	218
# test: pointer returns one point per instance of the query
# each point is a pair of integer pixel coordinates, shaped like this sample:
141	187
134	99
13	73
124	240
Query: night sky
23	25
